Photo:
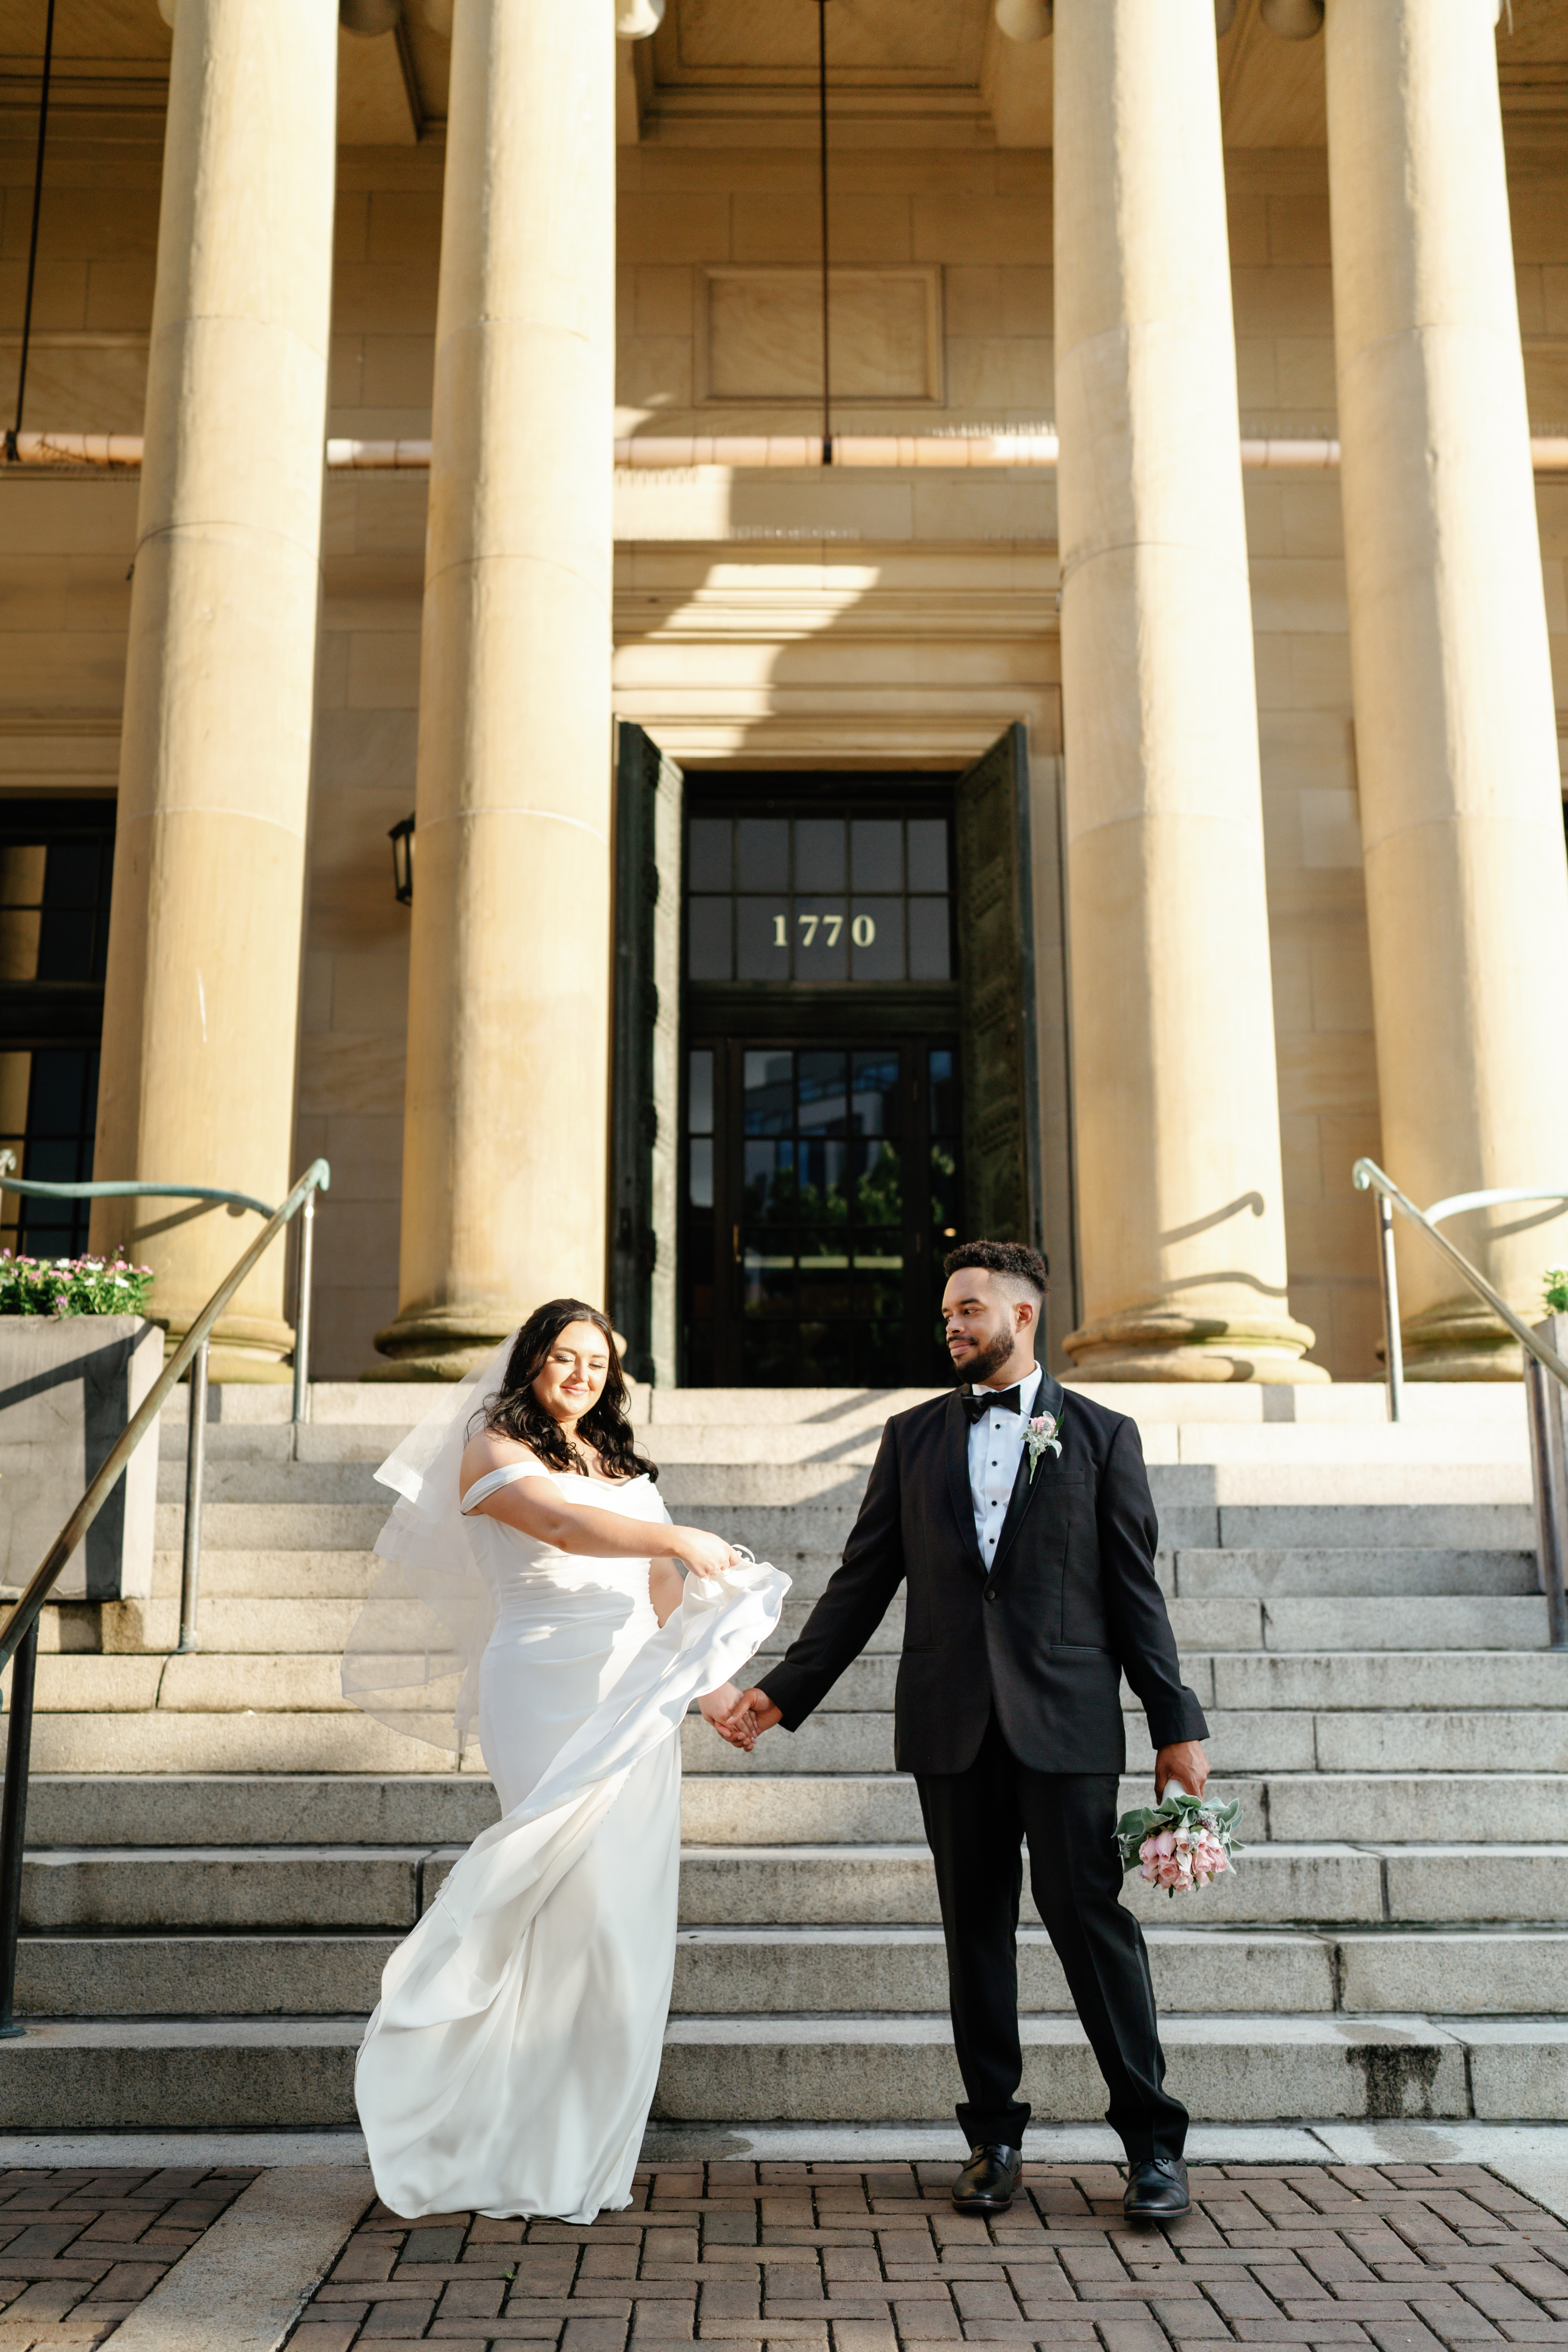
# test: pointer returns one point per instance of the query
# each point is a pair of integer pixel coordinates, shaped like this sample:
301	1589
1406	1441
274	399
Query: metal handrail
1367	1176
19	1636
1459	1202
1548	1442
122	1191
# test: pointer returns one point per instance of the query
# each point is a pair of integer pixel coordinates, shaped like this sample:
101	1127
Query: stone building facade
1117	789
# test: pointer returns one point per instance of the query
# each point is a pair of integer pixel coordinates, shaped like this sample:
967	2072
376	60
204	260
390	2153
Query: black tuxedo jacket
1070	1602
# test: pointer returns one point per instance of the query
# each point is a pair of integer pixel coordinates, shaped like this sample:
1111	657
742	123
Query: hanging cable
821	175
33	242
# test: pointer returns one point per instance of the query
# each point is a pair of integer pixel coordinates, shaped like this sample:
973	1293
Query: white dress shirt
995	1449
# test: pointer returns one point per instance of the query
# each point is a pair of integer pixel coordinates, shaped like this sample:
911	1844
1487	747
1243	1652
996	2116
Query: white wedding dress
511	2061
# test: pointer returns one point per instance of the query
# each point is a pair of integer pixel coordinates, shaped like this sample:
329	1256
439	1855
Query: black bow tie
978	1402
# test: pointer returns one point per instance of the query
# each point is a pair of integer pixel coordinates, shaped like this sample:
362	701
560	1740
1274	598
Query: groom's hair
1012	1262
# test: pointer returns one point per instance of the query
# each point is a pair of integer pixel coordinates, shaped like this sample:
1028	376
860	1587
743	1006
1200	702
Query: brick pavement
78	2250
1403	2258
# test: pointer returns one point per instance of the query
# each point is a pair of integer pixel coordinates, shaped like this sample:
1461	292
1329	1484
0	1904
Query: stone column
1455	737
201	999
506	1114
1182	1226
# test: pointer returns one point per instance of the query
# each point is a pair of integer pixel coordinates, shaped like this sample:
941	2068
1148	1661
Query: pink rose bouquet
1180	1844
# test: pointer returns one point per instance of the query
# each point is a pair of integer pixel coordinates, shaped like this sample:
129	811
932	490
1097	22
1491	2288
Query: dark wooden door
645	1092
56	861
1003	1189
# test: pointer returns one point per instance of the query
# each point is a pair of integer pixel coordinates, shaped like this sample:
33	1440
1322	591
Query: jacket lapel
955	1440
1048	1398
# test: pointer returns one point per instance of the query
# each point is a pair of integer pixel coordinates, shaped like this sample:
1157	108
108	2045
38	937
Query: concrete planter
67	1390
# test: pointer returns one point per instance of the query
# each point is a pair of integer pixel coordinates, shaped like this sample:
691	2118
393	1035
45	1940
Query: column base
242	1347
1152	1346
441	1343
1459	1341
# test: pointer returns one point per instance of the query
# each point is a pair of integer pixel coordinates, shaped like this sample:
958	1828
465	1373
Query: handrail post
14	1824
1393	1344
302	1310
1549	1468
195	1466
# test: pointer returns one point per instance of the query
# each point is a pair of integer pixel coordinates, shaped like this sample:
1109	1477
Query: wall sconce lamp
401	836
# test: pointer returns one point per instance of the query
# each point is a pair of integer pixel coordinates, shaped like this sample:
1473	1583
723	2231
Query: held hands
1185	1763
748	1715
726	1709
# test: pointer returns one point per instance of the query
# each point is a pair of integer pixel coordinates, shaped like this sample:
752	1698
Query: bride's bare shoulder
489	1450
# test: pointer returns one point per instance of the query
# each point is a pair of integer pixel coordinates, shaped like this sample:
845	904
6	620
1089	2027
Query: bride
534	1580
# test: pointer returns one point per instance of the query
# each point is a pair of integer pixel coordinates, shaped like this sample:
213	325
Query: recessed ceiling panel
1272	91
108	29
1539	33
883	40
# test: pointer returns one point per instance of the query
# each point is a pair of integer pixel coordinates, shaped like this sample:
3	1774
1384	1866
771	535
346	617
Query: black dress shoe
987	2182
1156	2189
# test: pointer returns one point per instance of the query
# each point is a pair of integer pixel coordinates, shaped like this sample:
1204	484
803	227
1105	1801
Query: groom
1030	1591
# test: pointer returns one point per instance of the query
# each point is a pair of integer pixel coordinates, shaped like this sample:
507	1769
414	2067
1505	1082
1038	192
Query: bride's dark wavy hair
516	1413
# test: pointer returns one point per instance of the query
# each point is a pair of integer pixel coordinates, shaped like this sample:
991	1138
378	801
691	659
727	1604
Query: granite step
893	1884
887	1971
898	1970
166	1741
133	1890
253	1674
171	1976
253	1610
1353	1573
1255	2070
1471	1809
439	1807
297	2073
789	1532
257	1715
262	1809
1410	1619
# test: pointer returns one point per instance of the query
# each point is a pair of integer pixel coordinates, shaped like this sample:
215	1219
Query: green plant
71	1286
1555	1280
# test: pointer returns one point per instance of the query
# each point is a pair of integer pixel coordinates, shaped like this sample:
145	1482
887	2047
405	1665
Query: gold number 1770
832	924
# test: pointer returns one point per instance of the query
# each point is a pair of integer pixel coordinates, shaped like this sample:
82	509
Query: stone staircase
221	1856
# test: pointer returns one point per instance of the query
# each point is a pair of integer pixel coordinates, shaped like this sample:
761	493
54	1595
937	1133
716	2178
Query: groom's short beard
990	1358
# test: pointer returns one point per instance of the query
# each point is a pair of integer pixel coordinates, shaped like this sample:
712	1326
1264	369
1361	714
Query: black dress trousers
976	1822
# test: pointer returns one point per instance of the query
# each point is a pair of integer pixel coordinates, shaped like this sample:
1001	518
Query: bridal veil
412	1660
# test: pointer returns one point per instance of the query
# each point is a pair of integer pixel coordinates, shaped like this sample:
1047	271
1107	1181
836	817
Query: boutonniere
1040	1437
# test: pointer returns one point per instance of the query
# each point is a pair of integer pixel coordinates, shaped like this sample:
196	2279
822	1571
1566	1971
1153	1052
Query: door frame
945	752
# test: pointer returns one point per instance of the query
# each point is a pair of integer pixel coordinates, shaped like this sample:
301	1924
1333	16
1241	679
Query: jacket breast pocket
1065	1497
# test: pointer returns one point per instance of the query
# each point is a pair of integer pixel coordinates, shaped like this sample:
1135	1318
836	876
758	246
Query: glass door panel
812	1258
